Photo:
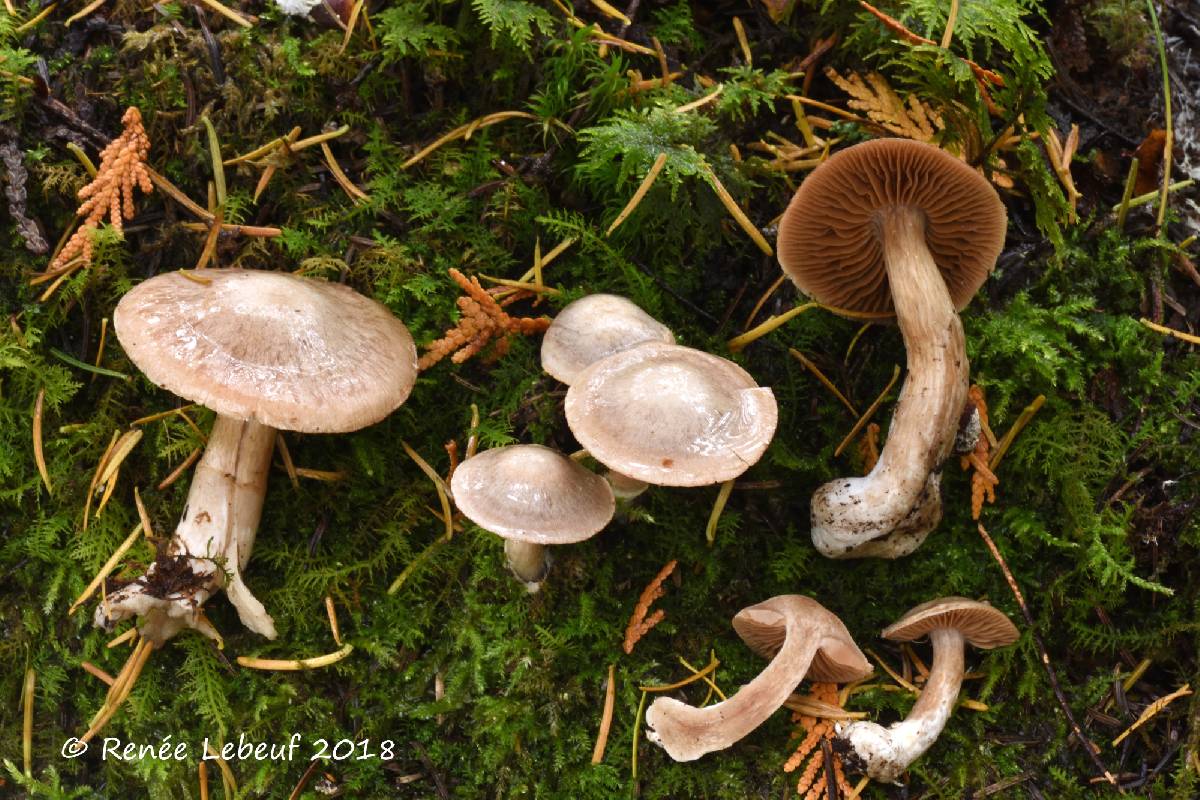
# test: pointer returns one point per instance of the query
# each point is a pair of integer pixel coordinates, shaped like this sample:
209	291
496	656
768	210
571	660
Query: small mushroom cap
533	494
593	327
763	628
828	243
980	624
671	415
289	352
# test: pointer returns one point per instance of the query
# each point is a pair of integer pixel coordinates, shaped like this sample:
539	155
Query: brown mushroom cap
980	624
827	237
289	352
763	627
593	327
533	494
671	415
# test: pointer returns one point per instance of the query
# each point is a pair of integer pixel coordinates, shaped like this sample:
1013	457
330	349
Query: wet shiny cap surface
533	494
289	352
979	623
671	415
594	327
827	240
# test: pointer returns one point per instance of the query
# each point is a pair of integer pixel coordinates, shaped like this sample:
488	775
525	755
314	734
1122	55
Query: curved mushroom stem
889	512
887	752
687	732
211	544
529	561
623	486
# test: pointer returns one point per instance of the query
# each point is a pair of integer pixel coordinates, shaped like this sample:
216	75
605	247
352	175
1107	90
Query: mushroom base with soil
211	544
889	512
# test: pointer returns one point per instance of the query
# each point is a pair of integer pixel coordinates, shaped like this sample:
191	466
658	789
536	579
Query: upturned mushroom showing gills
894	225
950	623
532	496
671	415
801	637
265	351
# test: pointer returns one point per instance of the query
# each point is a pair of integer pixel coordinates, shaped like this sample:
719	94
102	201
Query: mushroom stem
890	511
623	486
528	561
211	544
687	732
887	752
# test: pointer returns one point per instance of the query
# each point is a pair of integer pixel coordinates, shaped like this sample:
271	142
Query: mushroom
594	327
950	622
896	225
801	637
265	351
532	496
670	415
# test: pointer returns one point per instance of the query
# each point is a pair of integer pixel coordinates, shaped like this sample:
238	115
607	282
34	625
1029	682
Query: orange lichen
122	167
983	480
639	623
483	320
812	782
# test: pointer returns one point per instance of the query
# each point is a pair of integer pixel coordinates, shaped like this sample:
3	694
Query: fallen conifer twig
639	624
1092	750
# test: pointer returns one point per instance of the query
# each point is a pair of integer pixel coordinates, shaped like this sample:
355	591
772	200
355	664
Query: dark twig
1045	658
438	782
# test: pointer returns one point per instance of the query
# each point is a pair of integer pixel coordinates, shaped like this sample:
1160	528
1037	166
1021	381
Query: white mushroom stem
687	732
623	486
528	561
215	536
889	512
887	752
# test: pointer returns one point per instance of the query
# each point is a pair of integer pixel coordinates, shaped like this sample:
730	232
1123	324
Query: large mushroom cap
671	415
532	494
593	327
827	238
980	624
763	627
289	352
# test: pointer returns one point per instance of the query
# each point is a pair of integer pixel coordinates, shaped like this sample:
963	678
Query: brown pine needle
100	347
343	180
107	569
712	686
121	688
124	446
951	18
736	212
772	289
1016	428
93	670
202	769
891	672
27	697
871	409
289	466
1153	709
329	476
38	455
147	528
739	30
334	628
91	492
182	468
868	448
703	101
228	13
465	131
127	636
227	780
828	384
738	343
606	718
644	187
160	415
83	12
33	21
296	664
443	491
639	624
1180	335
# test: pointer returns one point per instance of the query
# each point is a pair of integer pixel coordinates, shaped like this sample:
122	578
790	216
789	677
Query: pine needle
27	697
736	212
606	717
343	180
1017	427
288	465
1180	335
443	491
106	570
331	612
38	456
644	187
95	671
295	664
465	131
175	473
695	676
738	343
828	384
869	412
91	492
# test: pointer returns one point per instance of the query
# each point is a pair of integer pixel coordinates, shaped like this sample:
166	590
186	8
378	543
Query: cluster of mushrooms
891	229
